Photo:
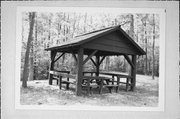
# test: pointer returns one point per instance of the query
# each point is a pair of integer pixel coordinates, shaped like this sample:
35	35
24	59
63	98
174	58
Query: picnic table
93	81
119	76
99	83
115	80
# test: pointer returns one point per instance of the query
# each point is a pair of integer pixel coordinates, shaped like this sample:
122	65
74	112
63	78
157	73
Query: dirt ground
40	93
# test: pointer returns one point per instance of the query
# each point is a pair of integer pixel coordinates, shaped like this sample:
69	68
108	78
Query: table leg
67	86
88	86
117	88
101	86
127	84
112	79
56	82
60	81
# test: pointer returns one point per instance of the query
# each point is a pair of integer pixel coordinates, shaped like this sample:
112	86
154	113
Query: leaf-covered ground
40	93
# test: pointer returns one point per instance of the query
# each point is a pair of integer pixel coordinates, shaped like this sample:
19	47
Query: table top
96	77
116	74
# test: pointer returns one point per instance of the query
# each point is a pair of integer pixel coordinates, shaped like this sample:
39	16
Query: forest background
52	29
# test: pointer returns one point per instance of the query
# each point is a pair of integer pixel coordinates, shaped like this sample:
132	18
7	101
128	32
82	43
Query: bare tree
144	22
25	71
153	58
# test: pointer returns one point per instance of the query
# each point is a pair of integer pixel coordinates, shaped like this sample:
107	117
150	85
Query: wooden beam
93	61
133	73
90	56
102	60
129	61
80	72
59	57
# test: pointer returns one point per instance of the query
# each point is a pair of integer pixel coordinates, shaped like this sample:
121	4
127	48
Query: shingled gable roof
84	38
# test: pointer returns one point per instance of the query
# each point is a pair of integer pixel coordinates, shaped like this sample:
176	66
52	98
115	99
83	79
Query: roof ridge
98	30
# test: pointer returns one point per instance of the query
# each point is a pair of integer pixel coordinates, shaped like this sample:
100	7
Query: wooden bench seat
63	77
66	82
55	74
70	82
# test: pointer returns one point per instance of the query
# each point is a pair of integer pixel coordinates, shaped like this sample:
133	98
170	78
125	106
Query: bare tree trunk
67	29
74	25
146	59
35	51
143	20
63	57
85	22
107	63
153	58
49	32
64	31
25	71
131	33
31	62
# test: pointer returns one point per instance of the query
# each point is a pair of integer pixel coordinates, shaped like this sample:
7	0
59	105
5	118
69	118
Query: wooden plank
116	74
129	61
59	57
63	74
90	56
62	71
80	72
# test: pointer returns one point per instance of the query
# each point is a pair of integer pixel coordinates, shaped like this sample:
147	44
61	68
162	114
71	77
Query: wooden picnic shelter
111	41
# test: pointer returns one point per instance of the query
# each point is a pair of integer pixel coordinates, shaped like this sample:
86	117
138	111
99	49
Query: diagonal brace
93	53
93	61
129	61
74	56
102	60
59	57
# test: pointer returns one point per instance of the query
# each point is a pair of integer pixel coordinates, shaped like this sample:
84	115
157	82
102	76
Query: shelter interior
112	41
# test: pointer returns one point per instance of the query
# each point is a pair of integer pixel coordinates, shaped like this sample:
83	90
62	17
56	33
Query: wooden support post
133	73
80	72
97	65
53	54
